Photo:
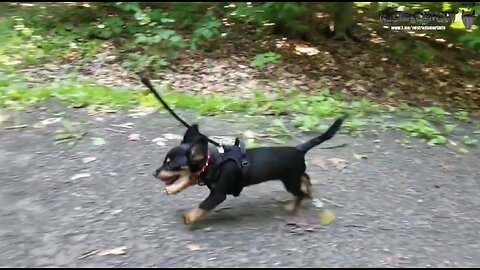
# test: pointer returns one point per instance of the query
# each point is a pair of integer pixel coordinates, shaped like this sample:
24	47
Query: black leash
148	84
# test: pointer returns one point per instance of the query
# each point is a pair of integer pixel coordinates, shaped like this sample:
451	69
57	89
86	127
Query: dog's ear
199	150
191	134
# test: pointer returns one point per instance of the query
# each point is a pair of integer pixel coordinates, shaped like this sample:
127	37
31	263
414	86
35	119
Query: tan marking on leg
193	216
182	184
292	206
308	185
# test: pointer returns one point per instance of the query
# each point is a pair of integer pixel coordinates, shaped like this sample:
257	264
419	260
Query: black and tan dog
194	161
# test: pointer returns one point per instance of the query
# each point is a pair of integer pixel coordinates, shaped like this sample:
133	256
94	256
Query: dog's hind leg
308	185
293	185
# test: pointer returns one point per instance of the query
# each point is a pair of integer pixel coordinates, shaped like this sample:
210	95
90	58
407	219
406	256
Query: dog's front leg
212	201
182	184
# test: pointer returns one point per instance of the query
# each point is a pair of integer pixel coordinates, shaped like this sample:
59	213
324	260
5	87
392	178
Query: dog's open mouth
170	179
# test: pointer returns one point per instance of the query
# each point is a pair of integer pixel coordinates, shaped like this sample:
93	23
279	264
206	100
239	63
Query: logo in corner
468	19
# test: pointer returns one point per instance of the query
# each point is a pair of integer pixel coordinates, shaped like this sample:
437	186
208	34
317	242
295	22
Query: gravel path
399	207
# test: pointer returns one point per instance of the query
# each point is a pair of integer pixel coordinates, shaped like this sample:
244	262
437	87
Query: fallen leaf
249	134
462	150
331	202
223	139
126	125
139	112
114	251
115	212
88	159
360	156
62	136
170	136
339	163
320	162
446	167
88	254
134	137
115	130
98	141
3	118
16	127
318	203
159	141
50	121
193	247
47	122
327	217
307	50
80	176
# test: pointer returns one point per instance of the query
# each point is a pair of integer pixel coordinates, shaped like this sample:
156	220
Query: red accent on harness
204	167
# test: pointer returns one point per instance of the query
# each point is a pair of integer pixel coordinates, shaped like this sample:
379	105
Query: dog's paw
171	190
192	216
186	219
290	206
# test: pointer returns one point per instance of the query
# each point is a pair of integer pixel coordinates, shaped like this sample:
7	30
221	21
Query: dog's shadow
259	212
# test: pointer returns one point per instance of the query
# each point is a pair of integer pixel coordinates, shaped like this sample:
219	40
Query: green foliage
423	52
208	32
422	128
287	16
462	115
139	63
436	113
472	40
264	59
111	27
469	141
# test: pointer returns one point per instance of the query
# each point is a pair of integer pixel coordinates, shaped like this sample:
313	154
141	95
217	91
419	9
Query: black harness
237	153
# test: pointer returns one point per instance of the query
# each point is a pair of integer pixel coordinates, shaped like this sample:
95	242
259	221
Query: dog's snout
156	172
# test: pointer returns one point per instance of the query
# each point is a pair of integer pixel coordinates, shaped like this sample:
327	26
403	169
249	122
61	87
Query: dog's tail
327	135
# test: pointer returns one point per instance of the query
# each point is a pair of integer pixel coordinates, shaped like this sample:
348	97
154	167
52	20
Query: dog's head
185	159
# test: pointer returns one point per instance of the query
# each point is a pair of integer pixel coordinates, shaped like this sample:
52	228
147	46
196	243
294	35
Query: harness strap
241	144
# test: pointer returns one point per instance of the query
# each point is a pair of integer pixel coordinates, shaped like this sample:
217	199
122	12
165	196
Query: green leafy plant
207	34
139	63
469	141
306	122
264	59
472	40
355	125
462	115
423	52
450	128
113	26
436	113
422	128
